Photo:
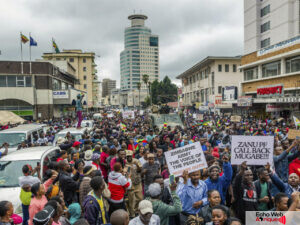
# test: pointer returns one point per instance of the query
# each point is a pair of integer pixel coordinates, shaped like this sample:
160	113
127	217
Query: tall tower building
107	86
141	54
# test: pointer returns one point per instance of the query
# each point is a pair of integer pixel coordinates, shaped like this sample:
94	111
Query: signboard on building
244	101
270	91
278	46
273	108
60	94
219	103
288	100
229	93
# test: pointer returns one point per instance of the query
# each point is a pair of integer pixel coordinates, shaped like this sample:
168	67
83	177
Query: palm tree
139	88
146	81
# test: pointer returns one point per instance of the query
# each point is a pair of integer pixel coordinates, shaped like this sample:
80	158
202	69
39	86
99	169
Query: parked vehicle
77	133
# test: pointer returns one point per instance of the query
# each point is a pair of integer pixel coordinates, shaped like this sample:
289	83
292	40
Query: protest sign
235	119
141	112
292	134
111	115
256	150
194	116
128	114
199	116
189	157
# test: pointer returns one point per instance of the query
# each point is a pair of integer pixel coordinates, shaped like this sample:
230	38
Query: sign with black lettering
256	150
189	157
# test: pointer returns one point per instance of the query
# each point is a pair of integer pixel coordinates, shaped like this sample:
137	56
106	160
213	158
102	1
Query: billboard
229	93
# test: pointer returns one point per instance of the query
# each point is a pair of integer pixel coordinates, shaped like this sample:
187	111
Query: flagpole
29	53
21	53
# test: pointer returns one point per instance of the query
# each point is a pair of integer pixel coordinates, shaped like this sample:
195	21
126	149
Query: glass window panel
28	81
11	81
3	82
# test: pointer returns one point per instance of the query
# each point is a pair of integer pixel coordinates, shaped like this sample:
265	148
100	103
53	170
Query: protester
119	217
6	211
146	215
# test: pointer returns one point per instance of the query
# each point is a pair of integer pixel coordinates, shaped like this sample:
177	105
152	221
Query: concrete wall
24	93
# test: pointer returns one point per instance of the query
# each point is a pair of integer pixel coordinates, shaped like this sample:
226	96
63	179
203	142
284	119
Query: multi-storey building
204	83
271	60
107	86
45	92
85	67
140	56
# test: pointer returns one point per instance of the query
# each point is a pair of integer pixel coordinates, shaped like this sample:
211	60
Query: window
20	81
265	43
56	84
265	27
84	68
220	68
264	11
84	60
226	68
251	74
3	82
64	86
28	81
11	81
271	69
293	64
234	67
84	77
219	89
71	59
84	86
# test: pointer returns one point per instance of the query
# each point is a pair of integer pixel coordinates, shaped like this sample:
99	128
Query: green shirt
264	192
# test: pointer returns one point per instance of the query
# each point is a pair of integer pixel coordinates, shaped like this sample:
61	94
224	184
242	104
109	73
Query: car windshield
13	139
86	124
77	136
10	171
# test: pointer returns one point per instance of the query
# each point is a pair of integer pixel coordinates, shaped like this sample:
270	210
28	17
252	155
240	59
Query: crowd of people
117	174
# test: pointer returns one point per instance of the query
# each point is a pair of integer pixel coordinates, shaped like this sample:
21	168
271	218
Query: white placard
111	115
194	116
141	112
256	150
189	157
128	114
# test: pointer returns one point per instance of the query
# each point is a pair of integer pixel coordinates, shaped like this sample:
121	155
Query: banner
256	150
141	112
189	157
296	121
235	119
128	114
244	101
292	134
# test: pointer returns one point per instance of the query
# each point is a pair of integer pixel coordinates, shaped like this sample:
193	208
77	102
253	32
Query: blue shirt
189	194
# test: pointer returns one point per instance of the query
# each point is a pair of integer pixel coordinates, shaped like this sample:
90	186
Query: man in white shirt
146	215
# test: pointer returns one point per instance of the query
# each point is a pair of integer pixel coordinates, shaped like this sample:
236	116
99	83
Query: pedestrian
119	217
79	109
146	215
6	212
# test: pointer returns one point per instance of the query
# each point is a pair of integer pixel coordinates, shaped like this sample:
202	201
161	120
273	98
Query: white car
88	124
11	169
77	133
97	116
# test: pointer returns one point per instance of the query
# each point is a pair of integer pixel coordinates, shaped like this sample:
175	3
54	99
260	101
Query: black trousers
115	206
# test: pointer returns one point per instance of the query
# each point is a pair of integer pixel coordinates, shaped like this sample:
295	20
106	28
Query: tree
139	88
146	80
163	91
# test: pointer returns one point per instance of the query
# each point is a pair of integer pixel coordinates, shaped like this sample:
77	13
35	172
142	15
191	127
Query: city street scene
139	112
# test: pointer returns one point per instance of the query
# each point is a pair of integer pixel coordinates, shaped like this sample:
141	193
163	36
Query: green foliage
163	91
147	101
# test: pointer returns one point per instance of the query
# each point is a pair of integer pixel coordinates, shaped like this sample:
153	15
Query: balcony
94	71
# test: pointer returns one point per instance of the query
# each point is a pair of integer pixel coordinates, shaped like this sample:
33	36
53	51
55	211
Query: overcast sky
189	30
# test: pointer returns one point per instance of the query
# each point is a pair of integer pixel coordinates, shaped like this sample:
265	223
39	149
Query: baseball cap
43	216
129	153
76	143
145	206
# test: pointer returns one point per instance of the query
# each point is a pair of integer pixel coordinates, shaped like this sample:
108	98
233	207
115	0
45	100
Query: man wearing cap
135	194
146	215
76	147
150	169
161	209
88	157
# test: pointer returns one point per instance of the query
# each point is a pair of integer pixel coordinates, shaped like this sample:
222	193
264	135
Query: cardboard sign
292	134
128	114
199	116
235	119
141	112
256	150
194	116
189	157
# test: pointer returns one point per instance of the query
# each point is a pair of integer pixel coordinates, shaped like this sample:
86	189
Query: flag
165	125
24	39
32	42
55	47
296	121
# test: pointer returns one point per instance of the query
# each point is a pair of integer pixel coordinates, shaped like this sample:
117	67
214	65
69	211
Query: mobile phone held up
172	179
128	170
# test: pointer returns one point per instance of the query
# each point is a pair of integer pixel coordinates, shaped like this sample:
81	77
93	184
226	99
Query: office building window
15	81
271	69
219	89
84	77
220	68
226	68
56	84
84	60
11	81
265	43
3	82
84	86
251	74
20	81
265	27
71	59
234	67
293	64
264	11
84	68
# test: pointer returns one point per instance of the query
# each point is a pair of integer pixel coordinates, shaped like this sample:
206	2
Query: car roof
33	153
72	130
23	128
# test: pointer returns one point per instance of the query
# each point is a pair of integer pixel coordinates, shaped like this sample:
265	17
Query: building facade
269	22
272	73
45	93
140	56
107	86
85	69
204	83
